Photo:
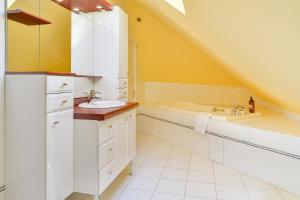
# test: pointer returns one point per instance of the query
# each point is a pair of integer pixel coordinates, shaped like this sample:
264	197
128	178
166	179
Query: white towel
201	122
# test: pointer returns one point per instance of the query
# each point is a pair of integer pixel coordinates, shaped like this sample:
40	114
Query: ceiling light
76	9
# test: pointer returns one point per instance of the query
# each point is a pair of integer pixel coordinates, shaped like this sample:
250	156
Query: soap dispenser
251	105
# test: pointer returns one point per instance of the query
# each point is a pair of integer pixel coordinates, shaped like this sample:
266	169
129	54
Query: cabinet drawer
122	83
106	131
56	102
106	153
57	84
122	93
107	175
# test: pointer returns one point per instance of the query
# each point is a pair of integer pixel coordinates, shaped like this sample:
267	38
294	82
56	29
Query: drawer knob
64	85
110	126
110	172
110	149
56	123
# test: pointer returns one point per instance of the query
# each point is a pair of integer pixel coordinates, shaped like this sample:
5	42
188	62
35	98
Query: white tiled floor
163	171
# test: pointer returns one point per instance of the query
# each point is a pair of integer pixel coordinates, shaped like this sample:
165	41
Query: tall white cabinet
2	70
102	50
39	137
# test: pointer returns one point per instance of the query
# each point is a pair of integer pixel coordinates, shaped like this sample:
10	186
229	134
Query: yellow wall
40	48
258	40
164	55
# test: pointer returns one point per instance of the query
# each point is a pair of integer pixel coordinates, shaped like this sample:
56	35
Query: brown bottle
251	105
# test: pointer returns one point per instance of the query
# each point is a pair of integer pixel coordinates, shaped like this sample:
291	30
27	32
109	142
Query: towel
201	122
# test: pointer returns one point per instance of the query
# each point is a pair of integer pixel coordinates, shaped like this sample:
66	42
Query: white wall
2	70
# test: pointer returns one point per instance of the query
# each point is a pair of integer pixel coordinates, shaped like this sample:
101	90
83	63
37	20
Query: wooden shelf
87	76
26	18
85	6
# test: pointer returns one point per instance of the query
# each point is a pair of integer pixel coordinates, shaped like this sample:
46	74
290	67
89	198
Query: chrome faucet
92	95
238	110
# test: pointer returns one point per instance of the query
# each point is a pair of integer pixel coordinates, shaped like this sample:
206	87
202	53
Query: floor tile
231	193
289	196
171	186
251	182
180	156
163	196
156	161
143	183
128	194
228	179
150	171
112	193
143	153
121	181
178	149
260	194
200	189
224	169
197	198
201	165
201	176
176	174
177	164
195	157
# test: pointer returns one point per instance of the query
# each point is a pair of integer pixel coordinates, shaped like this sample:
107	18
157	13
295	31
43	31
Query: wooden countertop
102	114
40	73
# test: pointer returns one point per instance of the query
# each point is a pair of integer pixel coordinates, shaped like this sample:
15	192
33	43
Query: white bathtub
272	155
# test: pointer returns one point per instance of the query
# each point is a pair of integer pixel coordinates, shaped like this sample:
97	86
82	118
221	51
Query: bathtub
271	155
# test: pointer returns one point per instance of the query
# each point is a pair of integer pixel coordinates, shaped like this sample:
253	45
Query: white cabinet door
59	155
131	129
123	42
121	143
82	44
105	44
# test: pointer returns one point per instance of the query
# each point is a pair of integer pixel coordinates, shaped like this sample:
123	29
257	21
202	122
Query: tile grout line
244	185
163	168
187	177
215	183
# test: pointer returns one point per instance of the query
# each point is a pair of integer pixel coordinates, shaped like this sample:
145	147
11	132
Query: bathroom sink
102	104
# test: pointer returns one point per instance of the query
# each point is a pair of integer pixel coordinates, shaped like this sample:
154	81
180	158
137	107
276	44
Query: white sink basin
102	104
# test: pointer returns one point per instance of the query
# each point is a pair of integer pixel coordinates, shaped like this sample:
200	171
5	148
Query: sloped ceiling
259	40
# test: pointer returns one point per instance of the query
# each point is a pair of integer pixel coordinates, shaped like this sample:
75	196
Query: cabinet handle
110	172
110	149
64	85
64	101
110	126
56	123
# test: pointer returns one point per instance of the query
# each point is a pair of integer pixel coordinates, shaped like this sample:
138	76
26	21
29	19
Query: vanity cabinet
102	151
39	137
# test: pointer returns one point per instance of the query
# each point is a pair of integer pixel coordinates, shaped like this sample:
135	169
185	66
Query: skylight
177	4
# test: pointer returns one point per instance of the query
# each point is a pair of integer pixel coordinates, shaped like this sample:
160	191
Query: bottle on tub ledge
251	105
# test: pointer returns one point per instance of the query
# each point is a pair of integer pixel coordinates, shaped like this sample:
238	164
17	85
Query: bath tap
215	109
238	110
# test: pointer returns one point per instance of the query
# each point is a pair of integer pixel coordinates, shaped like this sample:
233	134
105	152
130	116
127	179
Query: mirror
39	47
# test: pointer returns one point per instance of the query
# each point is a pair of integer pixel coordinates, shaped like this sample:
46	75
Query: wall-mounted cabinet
102	50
